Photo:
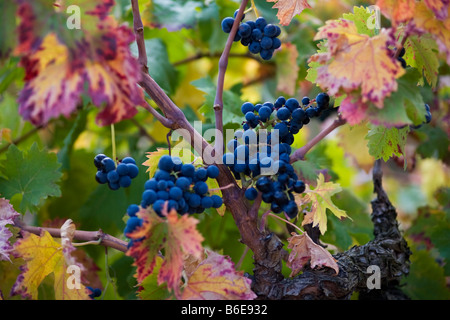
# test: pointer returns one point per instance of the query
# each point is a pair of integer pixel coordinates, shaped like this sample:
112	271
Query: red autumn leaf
357	63
288	9
176	235
59	67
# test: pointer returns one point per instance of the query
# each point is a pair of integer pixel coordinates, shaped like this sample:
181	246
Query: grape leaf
305	250
7	216
351	139
287	70
182	238
44	256
398	11
320	199
385	142
353	110
421	53
217	279
33	174
425	22
151	290
361	17
177	236
356	62
288	9
59	67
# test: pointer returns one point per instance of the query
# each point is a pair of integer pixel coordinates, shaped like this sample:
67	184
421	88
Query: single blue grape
292	104
245	30
227	24
212	171
270	30
283	113
113	176
217	201
266	43
247	107
188	170
165	163
122	169
255	47
251	193
125	181
266	54
260	23
149	196
183	183
264	113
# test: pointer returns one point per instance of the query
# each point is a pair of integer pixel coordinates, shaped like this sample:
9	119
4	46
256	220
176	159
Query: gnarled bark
388	250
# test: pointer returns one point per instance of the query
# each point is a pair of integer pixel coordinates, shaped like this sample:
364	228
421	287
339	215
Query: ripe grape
260	37
115	177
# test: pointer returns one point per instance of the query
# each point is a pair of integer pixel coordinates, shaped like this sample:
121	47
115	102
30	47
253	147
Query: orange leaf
287	9
425	21
356	61
176	236
305	250
216	279
398	11
182	239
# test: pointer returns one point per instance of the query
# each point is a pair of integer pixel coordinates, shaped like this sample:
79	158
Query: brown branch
80	235
139	32
300	153
223	63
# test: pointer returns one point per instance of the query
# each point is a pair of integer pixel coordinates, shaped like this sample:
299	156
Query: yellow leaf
425	20
304	250
216	279
287	9
44	256
351	139
320	198
356	62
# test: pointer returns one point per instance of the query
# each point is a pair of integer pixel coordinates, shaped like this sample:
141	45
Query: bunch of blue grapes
260	37
116	177
263	157
179	186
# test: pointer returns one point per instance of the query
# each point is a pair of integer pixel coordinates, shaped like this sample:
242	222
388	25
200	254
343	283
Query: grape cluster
257	155
260	37
115	177
182	186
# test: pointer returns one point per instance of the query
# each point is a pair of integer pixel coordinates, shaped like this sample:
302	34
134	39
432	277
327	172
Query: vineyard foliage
70	92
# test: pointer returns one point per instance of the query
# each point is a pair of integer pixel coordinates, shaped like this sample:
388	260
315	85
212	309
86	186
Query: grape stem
223	64
300	153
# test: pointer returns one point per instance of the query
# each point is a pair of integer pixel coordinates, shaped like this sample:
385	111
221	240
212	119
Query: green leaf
426	278
33	174
385	142
150	288
360	17
422	53
404	106
159	66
